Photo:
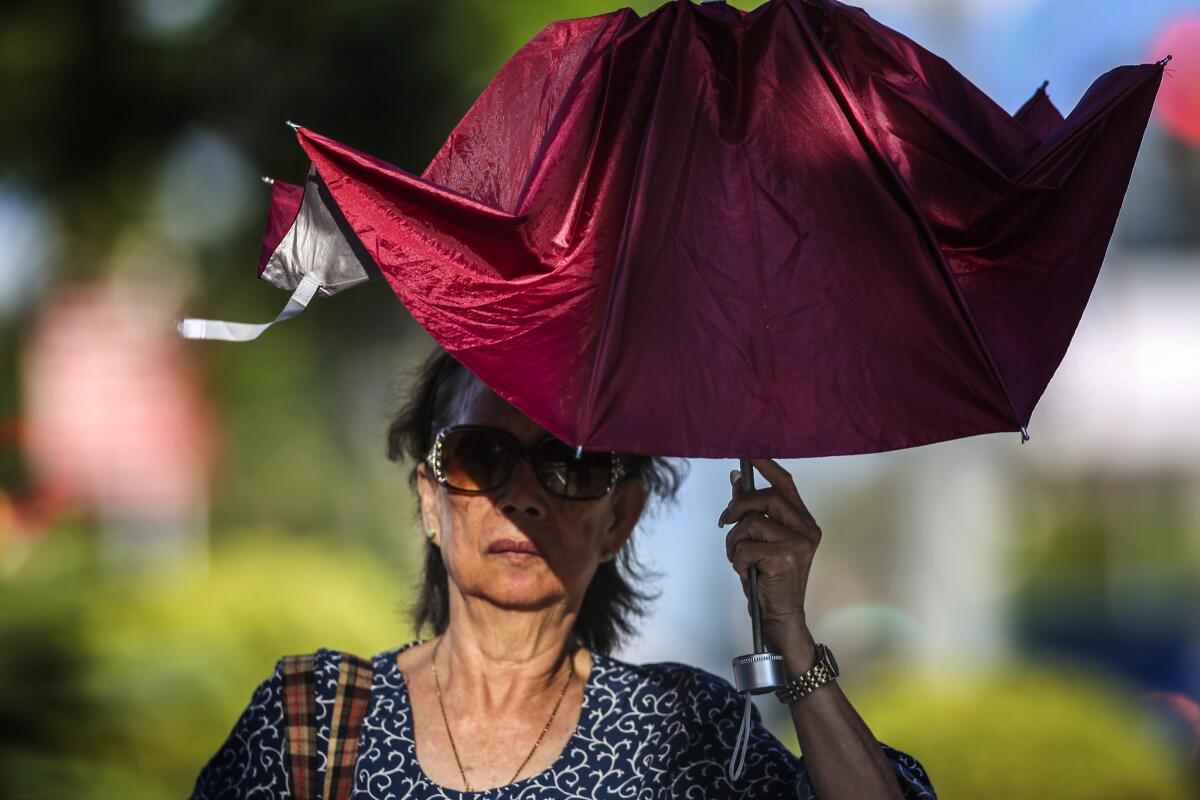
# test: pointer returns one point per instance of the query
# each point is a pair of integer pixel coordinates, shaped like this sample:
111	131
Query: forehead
479	405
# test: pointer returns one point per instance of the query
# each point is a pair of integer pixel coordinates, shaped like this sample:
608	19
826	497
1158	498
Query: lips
514	547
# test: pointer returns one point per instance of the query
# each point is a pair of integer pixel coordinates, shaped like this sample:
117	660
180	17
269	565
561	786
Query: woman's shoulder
693	687
692	717
330	660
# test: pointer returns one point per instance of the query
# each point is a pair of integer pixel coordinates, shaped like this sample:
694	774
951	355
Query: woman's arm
704	727
841	754
776	532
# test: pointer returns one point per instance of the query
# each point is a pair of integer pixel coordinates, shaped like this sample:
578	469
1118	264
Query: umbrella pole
747	479
761	671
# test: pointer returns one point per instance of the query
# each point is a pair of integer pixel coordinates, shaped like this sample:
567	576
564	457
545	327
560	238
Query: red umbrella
797	212
797	200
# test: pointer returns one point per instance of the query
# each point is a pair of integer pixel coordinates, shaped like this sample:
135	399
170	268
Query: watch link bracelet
804	684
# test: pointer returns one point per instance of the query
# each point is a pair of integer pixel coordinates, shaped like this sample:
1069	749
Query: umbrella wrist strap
221	330
737	759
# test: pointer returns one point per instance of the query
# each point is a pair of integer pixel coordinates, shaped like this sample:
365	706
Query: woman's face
485	539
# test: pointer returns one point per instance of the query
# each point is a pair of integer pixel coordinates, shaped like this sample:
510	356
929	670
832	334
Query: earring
430	533
607	555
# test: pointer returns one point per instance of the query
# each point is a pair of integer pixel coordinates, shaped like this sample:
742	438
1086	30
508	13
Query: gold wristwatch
804	684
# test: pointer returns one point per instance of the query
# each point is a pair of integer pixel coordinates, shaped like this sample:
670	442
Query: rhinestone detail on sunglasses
434	459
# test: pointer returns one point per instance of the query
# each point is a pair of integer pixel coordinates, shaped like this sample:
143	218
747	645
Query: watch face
832	661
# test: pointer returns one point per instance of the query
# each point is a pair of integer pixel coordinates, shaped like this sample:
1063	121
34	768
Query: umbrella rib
856	117
747	179
603	335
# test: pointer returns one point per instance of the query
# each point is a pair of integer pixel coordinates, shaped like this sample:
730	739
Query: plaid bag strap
300	721
349	706
300	724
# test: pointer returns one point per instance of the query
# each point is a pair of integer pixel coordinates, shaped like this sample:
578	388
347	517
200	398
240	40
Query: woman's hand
775	531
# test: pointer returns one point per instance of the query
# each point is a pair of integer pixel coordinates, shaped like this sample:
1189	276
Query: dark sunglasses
476	459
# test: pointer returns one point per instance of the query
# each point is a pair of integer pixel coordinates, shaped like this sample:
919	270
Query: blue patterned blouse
647	732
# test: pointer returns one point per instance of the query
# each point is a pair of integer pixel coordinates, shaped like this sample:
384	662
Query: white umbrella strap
737	761
221	330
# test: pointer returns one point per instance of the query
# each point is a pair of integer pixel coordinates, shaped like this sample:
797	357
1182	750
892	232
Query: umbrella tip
1044	85
1024	435
293	125
1163	62
268	180
578	451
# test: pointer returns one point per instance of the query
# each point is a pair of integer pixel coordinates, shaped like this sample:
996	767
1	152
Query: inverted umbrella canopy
788	232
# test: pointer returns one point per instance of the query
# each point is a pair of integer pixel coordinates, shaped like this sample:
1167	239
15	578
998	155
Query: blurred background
174	516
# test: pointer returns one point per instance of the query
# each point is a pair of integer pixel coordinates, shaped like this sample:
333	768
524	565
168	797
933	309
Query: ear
629	500
427	494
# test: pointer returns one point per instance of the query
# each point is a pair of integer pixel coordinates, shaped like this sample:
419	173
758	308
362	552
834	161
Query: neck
501	656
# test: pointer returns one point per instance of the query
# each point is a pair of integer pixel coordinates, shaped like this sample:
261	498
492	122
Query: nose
523	493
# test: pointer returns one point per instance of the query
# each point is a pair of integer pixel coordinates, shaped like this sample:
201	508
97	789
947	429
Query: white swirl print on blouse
251	761
652	732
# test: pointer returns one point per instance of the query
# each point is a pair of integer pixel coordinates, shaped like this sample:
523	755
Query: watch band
804	684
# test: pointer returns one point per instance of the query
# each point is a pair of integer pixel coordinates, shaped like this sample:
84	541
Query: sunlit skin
503	658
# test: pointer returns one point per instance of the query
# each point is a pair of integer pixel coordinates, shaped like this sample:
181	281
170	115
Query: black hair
614	598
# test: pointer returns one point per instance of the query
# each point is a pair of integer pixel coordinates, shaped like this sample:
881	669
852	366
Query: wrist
798	648
823	671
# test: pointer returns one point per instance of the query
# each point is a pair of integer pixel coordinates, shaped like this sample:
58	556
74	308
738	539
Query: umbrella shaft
755	611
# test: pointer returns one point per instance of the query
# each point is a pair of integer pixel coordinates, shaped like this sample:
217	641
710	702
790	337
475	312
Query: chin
524	590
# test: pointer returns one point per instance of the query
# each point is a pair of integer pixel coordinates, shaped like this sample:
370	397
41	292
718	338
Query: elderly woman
527	590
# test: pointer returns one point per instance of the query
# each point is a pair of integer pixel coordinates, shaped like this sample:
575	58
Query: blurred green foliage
1022	730
123	685
1103	534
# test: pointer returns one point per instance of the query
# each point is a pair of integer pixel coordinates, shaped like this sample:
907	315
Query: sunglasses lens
481	460
585	477
476	460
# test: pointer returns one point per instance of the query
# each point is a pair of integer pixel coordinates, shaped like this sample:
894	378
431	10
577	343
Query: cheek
462	522
584	535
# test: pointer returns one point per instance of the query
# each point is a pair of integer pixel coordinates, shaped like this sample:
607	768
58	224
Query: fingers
780	478
772	528
772	558
758	529
775	474
781	500
768	501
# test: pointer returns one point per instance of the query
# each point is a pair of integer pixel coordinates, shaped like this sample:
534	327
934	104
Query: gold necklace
454	749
